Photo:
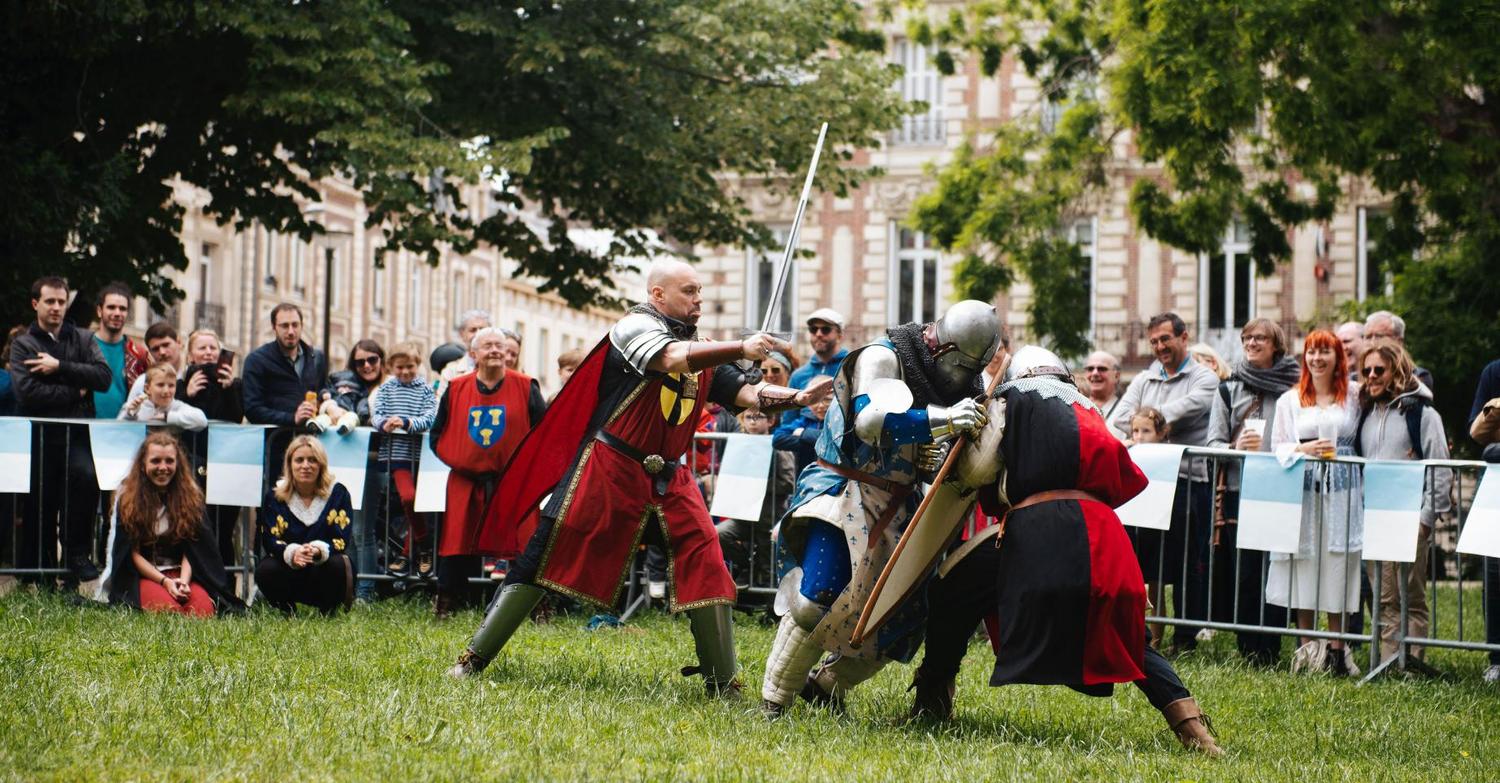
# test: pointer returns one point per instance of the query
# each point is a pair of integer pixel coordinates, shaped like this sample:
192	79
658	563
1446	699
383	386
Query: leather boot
1192	727
442	604
511	607
934	699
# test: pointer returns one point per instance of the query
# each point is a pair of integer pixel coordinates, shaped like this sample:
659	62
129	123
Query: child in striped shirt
402	408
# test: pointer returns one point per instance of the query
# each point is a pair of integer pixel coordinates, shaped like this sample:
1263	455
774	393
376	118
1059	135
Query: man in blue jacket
277	378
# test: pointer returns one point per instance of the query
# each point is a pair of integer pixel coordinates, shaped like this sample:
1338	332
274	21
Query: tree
1268	111
615	114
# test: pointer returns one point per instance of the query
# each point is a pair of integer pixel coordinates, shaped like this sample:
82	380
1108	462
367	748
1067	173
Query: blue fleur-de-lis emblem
486	424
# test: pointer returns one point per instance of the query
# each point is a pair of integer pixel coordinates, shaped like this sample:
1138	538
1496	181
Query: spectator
512	347
1147	425
1484	428
1183	391
747	545
163	348
477	453
777	368
159	403
54	370
8	391
799	437
1316	420
1244	411
1397	422
163	557
125	357
401	408
280	381
566	364
208	384
1386	325
1351	334
1101	380
825	331
1204	354
348	390
470	322
304	521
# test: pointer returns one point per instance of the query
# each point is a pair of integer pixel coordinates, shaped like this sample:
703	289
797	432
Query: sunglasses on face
1373	372
819	329
1093	368
368	361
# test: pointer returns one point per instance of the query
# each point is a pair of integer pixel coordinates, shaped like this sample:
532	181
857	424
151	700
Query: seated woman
162	556
304	525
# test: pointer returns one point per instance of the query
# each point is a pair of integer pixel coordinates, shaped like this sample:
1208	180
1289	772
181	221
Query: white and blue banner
1481	533
15	456
349	461
1270	504
432	480
744	472
236	465
1393	510
114	445
1153	507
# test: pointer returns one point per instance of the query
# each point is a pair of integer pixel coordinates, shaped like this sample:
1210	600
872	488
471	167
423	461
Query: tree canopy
612	114
1268	111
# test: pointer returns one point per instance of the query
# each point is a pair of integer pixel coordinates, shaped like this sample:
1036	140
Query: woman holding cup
1243	411
1316	420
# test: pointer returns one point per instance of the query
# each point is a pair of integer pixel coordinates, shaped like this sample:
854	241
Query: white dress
1324	573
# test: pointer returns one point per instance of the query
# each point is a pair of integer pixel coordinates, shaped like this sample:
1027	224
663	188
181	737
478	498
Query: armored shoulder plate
874	362
640	338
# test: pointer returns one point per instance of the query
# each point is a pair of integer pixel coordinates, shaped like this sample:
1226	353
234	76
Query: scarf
920	368
1274	380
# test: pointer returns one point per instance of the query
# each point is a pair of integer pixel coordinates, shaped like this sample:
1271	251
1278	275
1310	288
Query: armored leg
836	676
792	656
512	605
713	637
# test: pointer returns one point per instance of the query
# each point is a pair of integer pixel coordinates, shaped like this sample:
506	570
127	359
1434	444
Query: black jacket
271	387
66	393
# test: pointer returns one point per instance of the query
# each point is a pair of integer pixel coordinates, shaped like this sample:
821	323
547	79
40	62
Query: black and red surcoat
1072	600
596	490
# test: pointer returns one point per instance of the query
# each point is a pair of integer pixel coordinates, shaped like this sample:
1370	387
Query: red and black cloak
1072	600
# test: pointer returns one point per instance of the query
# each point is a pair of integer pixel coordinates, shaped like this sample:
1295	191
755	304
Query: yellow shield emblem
678	396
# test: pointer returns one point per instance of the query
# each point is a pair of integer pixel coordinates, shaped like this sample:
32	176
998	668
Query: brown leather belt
898	493
1033	499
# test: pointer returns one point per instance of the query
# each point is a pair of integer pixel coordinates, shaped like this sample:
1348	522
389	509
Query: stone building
875	270
236	277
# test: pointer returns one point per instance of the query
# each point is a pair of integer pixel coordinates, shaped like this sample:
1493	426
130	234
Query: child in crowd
402	408
158	404
566	364
746	543
798	433
1148	426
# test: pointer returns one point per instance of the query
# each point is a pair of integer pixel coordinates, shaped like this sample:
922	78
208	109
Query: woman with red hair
1315	419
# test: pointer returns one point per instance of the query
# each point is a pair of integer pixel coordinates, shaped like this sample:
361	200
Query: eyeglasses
1373	372
1256	338
756	416
820	329
1096	368
368	361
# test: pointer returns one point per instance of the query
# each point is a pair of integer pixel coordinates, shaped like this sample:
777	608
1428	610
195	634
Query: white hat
827	315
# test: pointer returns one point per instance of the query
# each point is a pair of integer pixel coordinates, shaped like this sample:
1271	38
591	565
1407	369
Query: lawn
100	694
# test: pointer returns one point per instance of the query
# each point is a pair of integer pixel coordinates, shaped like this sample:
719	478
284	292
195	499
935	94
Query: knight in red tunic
482	417
602	473
1064	578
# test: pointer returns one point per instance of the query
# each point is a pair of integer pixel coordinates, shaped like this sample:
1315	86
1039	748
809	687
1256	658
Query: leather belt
863	477
655	465
1033	499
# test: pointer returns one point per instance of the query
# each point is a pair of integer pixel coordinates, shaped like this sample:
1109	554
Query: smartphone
226	357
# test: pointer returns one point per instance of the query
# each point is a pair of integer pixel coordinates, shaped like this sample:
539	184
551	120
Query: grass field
101	694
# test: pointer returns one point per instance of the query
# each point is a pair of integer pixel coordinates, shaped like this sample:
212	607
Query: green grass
101	694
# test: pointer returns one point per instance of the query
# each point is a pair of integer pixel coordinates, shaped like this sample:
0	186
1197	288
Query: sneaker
1492	675
83	569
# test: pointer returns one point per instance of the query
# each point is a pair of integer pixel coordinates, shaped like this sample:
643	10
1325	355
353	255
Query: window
1226	282
270	279
297	274
1056	105
482	293
205	271
377	287
457	296
1372	276
332	262
761	267
920	81
414	291
544	348
1081	233
915	271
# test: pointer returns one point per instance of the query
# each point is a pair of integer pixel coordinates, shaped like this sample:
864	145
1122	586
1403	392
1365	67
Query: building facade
871	266
235	278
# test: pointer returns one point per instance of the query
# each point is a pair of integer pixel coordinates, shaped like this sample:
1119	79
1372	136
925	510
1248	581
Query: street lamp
329	241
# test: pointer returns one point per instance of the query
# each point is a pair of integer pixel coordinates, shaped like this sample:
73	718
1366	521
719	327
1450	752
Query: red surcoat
481	433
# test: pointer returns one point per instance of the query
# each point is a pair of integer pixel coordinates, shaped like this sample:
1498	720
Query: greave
792	657
512	605
841	673
713	637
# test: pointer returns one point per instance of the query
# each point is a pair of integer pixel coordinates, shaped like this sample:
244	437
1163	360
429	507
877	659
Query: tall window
377	287
1055	106
482	293
920	81
271	261
297	274
1373	275
761	268
205	271
1226	282
544	349
457	296
915	271
414	292
333	262
1081	233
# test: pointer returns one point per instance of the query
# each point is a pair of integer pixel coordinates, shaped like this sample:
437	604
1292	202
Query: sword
773	309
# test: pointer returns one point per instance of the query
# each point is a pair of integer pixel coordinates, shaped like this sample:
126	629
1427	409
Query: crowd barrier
1211	576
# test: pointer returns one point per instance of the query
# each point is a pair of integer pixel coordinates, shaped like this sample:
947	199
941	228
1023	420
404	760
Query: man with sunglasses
825	332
